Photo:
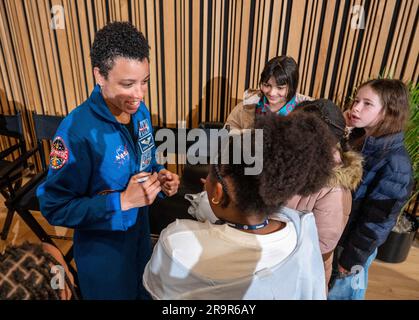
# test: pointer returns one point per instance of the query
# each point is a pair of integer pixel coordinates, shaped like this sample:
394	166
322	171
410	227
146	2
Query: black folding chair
11	176
11	171
24	199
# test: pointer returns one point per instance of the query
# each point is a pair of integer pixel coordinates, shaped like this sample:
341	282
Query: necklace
248	226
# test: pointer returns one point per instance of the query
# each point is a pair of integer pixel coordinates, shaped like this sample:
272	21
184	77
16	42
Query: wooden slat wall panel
204	53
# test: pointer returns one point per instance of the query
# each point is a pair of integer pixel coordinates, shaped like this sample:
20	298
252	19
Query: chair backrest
211	125
45	128
11	126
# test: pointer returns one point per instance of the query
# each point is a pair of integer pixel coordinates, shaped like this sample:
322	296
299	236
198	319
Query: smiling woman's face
276	94
126	84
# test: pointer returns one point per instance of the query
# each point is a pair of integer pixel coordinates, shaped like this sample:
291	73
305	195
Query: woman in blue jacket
101	152
379	112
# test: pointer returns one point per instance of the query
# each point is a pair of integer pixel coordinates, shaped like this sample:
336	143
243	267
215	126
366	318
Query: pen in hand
142	179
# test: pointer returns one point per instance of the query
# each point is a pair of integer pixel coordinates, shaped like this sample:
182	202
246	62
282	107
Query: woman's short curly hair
117	39
297	159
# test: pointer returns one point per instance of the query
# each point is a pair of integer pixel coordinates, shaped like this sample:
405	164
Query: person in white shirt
251	247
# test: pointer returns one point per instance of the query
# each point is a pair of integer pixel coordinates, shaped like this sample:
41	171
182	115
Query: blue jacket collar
98	105
391	141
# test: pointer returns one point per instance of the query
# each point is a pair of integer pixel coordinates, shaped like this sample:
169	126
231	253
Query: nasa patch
122	155
59	154
146	143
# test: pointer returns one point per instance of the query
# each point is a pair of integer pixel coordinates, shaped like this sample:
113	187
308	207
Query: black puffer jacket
385	187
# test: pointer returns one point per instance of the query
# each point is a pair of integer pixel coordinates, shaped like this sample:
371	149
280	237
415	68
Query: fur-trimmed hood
349	173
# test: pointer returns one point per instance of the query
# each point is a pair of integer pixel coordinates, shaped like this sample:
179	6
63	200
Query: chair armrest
25	189
18	162
5	153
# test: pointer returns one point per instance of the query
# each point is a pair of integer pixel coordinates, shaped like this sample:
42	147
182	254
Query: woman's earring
346	133
215	202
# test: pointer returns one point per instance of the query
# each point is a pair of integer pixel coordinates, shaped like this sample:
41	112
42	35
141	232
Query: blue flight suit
92	159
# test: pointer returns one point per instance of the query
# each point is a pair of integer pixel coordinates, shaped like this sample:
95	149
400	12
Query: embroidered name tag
59	153
146	143
145	160
143	128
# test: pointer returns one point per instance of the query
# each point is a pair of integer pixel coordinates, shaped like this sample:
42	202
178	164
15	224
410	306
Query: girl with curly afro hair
256	249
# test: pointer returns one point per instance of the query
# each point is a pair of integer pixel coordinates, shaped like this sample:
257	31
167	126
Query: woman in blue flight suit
101	151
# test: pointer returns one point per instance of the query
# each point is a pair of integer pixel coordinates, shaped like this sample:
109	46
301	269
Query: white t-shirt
200	260
238	253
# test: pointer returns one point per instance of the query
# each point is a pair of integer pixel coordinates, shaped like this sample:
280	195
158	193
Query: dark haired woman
100	152
255	250
278	94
